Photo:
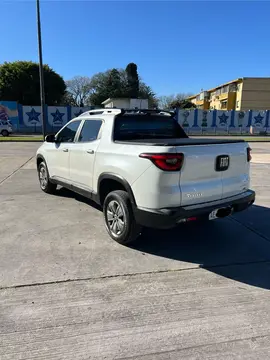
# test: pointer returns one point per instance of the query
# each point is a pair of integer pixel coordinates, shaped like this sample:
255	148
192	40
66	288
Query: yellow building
248	93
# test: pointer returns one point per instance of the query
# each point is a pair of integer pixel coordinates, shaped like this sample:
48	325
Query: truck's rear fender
108	182
156	189
125	161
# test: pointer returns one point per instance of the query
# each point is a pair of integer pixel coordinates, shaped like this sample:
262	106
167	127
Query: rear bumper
171	217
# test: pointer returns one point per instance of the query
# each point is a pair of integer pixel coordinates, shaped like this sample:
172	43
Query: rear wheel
119	218
5	133
45	184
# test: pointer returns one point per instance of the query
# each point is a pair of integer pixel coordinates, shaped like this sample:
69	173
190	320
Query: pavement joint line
194	347
105	277
251	229
16	170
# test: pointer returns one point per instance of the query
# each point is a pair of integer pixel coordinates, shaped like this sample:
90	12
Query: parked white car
143	170
5	127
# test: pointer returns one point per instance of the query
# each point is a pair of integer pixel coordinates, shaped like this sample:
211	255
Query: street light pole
41	76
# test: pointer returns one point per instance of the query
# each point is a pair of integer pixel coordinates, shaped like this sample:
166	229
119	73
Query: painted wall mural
31	116
28	119
9	112
56	116
222	122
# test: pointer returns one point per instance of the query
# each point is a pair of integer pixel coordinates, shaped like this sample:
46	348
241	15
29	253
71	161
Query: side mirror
50	138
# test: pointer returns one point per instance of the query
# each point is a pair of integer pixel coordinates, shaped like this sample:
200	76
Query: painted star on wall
33	115
57	117
258	119
223	119
78	113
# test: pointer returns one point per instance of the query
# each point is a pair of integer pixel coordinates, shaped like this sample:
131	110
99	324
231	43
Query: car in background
5	128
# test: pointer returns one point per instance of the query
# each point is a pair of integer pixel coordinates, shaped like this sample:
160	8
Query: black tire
129	230
44	179
5	133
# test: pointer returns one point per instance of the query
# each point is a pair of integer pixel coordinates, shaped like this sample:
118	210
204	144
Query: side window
68	133
90	130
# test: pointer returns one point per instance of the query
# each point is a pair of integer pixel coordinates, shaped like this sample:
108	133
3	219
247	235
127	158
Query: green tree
146	92
133	86
114	84
19	81
108	84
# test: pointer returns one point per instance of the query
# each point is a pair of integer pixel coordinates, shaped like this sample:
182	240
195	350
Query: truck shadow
237	248
63	192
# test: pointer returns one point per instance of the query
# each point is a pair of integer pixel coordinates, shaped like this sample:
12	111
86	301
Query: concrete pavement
69	292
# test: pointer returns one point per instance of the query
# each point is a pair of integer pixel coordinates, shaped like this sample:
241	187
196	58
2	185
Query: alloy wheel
43	177
116	218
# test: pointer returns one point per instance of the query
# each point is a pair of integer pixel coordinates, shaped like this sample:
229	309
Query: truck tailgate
201	181
236	178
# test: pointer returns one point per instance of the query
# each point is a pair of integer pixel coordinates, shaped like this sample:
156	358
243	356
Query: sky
178	46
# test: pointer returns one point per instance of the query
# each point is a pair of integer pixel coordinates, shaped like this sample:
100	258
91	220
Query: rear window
132	127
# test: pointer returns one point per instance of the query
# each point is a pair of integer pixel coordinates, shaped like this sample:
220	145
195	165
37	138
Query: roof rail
101	111
127	111
147	111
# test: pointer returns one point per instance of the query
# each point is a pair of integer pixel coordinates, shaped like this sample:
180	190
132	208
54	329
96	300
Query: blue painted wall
224	122
56	117
27	119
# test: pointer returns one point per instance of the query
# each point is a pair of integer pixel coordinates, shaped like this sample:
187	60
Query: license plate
213	215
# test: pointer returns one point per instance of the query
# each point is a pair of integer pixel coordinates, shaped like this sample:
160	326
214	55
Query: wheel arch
108	182
39	159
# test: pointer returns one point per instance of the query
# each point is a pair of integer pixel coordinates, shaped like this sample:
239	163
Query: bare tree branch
80	89
167	101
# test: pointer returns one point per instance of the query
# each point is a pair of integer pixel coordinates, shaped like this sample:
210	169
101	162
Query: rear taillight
166	162
249	157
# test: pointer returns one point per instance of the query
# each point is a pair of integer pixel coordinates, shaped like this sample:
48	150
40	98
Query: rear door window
90	130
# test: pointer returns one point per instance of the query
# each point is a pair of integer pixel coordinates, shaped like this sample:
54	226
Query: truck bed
178	142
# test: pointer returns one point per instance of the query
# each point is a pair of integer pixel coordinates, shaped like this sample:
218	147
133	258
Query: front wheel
44	180
119	219
5	133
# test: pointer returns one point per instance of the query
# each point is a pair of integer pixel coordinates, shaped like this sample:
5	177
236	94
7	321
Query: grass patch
235	137
256	139
253	138
21	138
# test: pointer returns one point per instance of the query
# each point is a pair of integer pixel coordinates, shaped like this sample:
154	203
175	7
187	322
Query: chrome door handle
90	151
65	150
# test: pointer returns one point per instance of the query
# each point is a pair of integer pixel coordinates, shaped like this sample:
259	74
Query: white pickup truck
142	168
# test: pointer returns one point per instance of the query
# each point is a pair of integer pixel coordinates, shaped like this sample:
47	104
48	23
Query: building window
225	89
233	88
224	104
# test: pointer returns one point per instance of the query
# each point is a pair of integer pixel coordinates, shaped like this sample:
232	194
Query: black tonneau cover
178	142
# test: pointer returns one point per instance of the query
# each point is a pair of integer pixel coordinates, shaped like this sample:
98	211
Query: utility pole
41	76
